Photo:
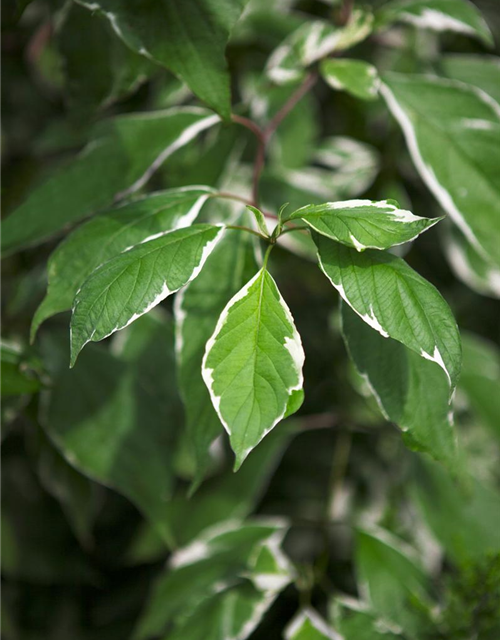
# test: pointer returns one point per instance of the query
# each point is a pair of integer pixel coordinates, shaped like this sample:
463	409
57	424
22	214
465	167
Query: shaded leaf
410	390
115	426
189	38
122	155
315	40
440	15
437	114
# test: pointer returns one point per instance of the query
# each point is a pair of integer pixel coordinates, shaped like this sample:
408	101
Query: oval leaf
395	301
107	235
253	363
354	76
135	281
187	37
364	224
437	114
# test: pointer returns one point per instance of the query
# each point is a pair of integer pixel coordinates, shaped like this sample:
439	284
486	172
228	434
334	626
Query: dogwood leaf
312	41
105	236
253	363
411	391
135	281
354	76
187	37
364	224
395	301
437	114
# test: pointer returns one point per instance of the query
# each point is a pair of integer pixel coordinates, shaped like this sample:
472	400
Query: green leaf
110	422
253	363
364	224
356	620
107	72
468	265
354	76
135	281
224	556
107	235
18	374
315	40
189	38
123	154
480	379
465	520
236	610
76	493
411	391
260	219
480	71
437	114
197	309
395	301
391	579
440	15
309	625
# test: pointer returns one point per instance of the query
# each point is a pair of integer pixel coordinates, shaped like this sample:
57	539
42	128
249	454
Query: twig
308	83
346	12
241	228
264	135
249	124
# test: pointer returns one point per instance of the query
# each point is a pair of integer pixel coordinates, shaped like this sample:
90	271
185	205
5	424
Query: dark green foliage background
71	564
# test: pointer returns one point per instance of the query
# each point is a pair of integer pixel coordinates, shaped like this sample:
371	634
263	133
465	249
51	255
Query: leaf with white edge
253	363
391	579
197	309
364	224
260	219
219	558
187	37
233	613
122	155
112	423
468	265
131	284
411	391
395	301
436	114
309	625
106	235
355	620
312	41
439	15
480	71
357	77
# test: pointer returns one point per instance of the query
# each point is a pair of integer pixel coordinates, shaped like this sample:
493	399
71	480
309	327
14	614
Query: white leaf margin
425	170
293	344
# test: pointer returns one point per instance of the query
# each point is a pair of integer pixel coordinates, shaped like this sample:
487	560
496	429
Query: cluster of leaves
330	523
